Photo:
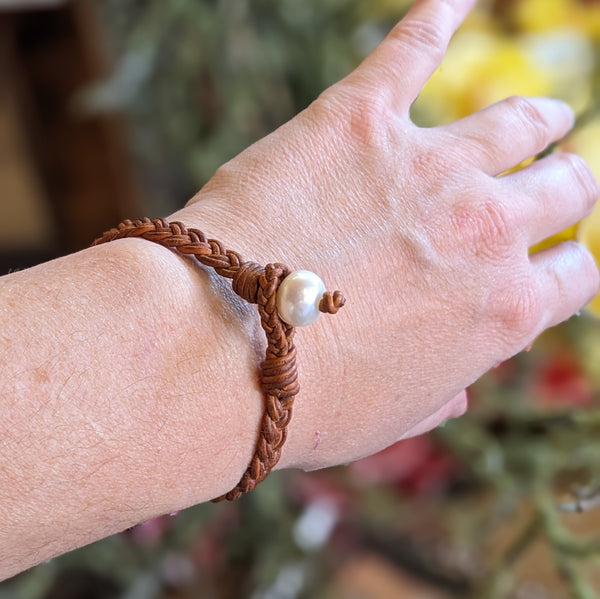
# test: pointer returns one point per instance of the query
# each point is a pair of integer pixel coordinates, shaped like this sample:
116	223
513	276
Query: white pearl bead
298	298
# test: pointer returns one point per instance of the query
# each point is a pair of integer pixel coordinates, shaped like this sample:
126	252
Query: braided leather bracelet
285	299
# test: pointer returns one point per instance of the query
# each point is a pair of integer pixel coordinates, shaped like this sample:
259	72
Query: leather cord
257	285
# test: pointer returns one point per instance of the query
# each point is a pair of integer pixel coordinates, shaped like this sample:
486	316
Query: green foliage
201	80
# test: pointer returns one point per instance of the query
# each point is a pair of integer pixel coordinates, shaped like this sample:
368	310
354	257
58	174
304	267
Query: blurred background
122	108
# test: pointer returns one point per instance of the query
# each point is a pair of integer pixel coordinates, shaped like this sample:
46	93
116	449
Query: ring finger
552	194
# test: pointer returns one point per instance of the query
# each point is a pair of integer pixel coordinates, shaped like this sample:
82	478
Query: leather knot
331	303
280	376
246	281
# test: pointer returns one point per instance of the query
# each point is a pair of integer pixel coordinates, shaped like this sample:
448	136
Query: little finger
567	278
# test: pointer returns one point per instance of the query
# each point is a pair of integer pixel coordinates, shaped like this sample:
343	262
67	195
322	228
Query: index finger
407	57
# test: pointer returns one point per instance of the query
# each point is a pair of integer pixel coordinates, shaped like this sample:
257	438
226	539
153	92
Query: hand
417	227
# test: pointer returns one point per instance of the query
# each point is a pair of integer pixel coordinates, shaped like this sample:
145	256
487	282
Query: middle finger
501	136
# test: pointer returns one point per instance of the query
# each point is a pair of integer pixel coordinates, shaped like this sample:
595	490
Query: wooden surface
14	5
22	197
71	173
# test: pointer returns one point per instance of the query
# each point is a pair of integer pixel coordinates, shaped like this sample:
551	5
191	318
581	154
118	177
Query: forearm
128	390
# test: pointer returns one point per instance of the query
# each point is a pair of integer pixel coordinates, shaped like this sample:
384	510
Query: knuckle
581	173
528	114
429	164
364	116
368	122
488	228
518	311
418	35
475	152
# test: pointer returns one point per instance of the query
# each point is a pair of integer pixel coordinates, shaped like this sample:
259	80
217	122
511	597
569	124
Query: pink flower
416	466
561	380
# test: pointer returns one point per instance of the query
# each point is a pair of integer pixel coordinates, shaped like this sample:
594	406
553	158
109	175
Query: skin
130	388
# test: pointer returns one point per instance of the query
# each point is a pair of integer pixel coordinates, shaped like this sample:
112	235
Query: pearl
298	298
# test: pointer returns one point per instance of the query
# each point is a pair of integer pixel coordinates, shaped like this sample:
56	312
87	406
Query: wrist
208	393
320	369
145	403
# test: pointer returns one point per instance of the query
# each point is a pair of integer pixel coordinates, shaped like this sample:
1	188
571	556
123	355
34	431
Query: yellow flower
481	67
386	9
586	142
484	66
542	15
566	235
537	16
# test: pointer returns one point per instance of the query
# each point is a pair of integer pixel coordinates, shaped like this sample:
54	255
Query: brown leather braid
257	285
